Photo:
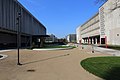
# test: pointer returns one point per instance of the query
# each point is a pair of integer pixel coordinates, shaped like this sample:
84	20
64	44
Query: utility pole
18	34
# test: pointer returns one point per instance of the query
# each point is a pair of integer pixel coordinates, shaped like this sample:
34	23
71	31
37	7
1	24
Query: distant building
71	38
103	27
52	38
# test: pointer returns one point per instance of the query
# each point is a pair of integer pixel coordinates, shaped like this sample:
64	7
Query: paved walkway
108	51
6	50
47	65
49	49
102	50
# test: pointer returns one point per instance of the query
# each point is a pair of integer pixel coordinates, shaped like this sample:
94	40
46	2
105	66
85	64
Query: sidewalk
47	65
6	50
108	51
112	52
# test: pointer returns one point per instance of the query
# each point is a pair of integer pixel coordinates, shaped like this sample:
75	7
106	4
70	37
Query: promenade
47	65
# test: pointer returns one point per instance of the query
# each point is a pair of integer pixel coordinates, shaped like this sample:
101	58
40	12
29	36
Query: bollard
82	47
92	49
114	55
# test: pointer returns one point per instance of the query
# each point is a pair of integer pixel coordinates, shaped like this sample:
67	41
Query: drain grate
31	70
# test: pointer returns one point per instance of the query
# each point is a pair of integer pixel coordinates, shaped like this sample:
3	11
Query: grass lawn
107	68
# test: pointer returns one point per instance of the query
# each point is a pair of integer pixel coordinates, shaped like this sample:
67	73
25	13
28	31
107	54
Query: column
41	42
93	40
88	40
96	41
84	40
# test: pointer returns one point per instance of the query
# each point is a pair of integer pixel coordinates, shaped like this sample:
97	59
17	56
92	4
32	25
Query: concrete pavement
108	51
112	52
47	65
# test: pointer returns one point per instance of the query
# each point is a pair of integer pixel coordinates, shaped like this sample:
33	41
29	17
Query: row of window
91	22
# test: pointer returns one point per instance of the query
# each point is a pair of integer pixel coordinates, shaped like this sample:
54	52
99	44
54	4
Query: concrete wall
29	25
6	38
78	34
8	14
89	29
110	21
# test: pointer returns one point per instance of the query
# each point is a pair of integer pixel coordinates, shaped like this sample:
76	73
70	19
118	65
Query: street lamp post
18	35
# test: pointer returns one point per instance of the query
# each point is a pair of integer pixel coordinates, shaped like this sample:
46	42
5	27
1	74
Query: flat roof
29	13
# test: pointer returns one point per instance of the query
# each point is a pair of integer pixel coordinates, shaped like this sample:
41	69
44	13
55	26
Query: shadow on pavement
46	59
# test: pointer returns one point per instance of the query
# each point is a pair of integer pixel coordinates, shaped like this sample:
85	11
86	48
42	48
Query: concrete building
110	22
104	27
52	38
71	38
89	31
28	27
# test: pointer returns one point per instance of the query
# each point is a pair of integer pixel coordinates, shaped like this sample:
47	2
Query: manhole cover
31	70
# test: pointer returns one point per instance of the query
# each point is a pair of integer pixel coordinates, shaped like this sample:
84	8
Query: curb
50	49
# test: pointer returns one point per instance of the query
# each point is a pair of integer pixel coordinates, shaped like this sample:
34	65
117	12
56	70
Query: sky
61	17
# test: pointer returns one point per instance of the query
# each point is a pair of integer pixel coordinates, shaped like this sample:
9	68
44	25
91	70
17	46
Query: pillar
106	41
92	40
96	41
42	42
88	40
84	40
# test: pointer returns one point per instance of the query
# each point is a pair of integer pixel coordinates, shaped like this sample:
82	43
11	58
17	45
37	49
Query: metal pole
106	42
82	46
18	35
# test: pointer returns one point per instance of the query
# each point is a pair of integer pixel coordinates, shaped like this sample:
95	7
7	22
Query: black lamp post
18	35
